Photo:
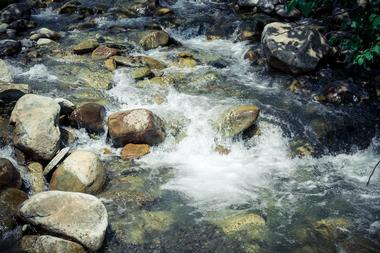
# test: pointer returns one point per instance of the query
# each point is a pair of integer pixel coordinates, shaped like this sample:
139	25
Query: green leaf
354	24
360	60
376	22
291	5
368	55
376	49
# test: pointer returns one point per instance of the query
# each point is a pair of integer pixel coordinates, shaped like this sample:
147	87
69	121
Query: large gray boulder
36	126
293	49
9	47
80	216
138	126
82	171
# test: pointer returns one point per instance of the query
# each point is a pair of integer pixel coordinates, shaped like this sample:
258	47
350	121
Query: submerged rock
138	126
82	171
132	151
141	73
102	53
5	72
340	92
9	47
48	243
86	46
293	49
154	40
45	33
9	175
238	119
36	126
89	116
80	216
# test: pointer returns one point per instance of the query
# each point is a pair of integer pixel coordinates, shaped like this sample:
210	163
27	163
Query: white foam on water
38	72
213	181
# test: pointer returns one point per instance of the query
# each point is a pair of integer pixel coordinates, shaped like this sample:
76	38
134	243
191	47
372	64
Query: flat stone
56	160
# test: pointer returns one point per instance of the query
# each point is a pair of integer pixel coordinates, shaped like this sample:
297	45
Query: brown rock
131	151
138	126
154	40
10	200
102	53
89	116
110	64
9	175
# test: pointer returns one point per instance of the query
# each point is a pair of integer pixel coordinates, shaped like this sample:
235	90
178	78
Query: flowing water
190	191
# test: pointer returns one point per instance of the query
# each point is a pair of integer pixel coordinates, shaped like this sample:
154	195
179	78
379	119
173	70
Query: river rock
10	93
110	64
47	244
45	33
238	119
89	116
4	3
9	175
102	53
56	160
340	92
132	151
5	72
36	179
9	47
80	216
154	40
138	126
10	200
282	11
67	107
85	46
82	171
36	126
129	61
293	49
141	73
14	12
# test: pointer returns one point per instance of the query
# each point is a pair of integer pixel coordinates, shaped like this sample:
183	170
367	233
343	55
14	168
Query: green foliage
361	26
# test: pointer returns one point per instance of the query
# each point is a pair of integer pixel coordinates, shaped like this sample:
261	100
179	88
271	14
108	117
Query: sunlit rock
132	151
82	171
138	126
80	216
238	119
36	126
36	178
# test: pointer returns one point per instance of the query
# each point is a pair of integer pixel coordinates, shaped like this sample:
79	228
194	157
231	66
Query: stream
186	197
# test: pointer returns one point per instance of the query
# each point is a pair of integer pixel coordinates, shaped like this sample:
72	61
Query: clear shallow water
194	185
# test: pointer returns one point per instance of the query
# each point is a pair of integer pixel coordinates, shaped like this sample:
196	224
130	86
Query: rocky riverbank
121	130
